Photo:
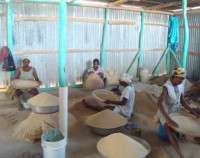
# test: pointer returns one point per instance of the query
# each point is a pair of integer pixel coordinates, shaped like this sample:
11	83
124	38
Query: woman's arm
162	110
122	103
17	73
35	75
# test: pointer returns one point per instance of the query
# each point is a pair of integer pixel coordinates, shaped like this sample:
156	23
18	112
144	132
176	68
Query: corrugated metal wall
32	38
3	75
193	67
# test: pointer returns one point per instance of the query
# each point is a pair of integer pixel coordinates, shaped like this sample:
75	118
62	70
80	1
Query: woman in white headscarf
125	105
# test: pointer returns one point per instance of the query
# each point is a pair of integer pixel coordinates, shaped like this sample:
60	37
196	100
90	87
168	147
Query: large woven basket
24	84
187	123
103	95
104	146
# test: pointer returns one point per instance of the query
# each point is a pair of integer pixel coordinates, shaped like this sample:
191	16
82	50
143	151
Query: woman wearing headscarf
172	101
125	105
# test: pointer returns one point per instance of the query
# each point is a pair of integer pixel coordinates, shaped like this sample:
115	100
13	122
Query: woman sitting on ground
97	70
126	104
170	101
26	72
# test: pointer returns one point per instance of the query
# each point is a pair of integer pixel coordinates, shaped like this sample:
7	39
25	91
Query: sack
93	81
9	64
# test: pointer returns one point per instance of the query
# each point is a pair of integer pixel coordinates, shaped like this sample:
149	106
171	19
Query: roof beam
164	5
119	2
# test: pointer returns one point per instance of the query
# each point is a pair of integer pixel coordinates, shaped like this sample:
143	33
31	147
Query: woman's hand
40	83
101	74
172	123
195	112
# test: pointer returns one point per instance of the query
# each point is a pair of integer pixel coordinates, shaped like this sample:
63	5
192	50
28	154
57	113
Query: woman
170	101
26	72
97	70
125	105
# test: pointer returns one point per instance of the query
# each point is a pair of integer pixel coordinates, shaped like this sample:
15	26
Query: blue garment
9	64
162	133
173	33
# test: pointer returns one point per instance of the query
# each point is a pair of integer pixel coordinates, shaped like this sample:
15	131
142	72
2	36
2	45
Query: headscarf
126	78
179	72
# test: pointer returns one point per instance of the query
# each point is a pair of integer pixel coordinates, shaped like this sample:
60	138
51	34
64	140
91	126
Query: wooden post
104	40
63	87
10	25
141	44
186	35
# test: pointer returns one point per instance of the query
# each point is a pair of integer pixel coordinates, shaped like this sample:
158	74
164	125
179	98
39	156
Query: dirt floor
82	142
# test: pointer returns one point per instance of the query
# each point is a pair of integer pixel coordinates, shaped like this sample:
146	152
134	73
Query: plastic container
54	149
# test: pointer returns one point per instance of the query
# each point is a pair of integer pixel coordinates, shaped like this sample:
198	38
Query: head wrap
179	72
126	78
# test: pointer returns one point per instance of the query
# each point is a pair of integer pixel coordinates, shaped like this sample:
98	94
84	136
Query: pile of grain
24	84
187	124
6	101
71	120
33	126
43	99
119	145
103	95
93	81
106	119
112	78
3	96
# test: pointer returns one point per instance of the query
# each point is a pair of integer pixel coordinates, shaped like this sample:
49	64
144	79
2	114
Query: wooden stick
82	19
191	53
154	24
194	53
192	26
53	52
119	2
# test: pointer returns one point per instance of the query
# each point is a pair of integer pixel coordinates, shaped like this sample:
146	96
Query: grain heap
43	99
118	145
106	119
32	128
93	81
112	77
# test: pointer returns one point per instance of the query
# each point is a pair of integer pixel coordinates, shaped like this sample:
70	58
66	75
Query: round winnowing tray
44	103
188	124
24	84
103	95
119	145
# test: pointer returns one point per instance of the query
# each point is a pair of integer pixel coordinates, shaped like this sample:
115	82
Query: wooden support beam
83	19
185	35
164	5
119	2
72	50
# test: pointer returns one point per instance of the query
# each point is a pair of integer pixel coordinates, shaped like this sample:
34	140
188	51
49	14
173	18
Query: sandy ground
82	142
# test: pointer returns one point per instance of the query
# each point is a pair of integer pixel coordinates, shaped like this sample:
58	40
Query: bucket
144	75
53	149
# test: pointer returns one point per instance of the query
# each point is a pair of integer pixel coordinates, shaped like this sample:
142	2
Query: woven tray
24	84
103	95
187	123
